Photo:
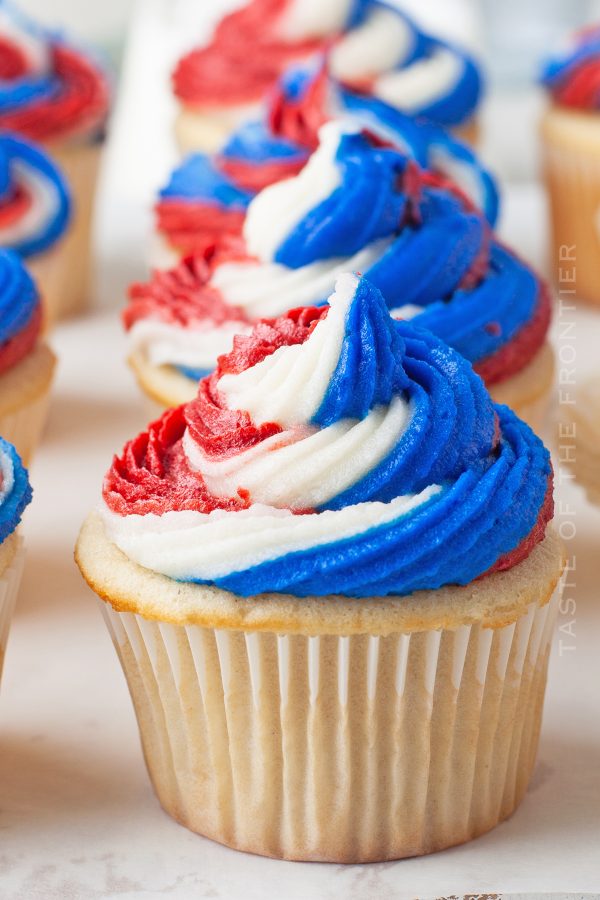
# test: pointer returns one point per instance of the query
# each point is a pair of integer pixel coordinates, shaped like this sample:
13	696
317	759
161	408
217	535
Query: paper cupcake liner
23	427
63	272
573	182
343	749
9	588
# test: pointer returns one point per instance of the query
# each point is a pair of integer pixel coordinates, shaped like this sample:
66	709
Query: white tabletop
78	819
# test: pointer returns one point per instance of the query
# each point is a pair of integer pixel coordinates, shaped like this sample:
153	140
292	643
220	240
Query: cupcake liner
23	427
572	174
333	748
9	588
63	272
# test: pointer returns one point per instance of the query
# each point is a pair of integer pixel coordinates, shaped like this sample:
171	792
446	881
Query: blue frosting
21	91
16	153
13	504
254	142
491	493
18	296
194	374
197	177
559	68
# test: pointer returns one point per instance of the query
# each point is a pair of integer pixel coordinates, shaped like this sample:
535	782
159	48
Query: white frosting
34	47
306	19
204	546
7	473
269	289
461	173
45	202
163	343
277	209
408	311
383	41
421	83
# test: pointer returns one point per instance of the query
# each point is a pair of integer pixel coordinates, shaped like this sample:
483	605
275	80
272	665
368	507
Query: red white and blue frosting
35	201
207	196
15	490
361	206
375	50
48	89
20	311
573	75
334	450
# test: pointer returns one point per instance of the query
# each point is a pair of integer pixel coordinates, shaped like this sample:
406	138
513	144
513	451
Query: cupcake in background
339	555
579	437
35	213
15	494
26	362
570	133
206	197
355	205
56	95
375	50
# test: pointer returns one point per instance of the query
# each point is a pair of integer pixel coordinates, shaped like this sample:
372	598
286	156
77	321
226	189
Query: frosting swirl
359	205
35	201
375	50
47	89
333	451
15	490
206	197
20	311
573	76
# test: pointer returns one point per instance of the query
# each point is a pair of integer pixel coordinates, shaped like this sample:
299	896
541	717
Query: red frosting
191	227
18	346
13	63
581	87
518	352
79	106
13	207
244	59
256	176
535	536
181	296
299	120
152	474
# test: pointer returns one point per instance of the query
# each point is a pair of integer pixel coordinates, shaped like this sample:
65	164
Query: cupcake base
528	392
63	272
206	130
571	162
469	132
12	557
164	386
24	400
333	729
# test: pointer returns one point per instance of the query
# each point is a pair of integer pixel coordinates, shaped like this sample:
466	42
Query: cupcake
35	210
355	205
26	361
374	51
579	437
56	96
206	197
331	583
15	494
570	132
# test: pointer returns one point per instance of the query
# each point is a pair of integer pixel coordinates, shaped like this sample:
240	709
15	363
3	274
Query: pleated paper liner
342	749
10	579
63	272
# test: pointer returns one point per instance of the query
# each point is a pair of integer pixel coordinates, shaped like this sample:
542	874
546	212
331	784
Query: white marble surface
78	820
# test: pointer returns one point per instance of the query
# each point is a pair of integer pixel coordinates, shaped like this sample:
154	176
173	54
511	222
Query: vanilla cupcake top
20	311
356	205
375	50
333	451
206	196
35	201
48	89
572	76
15	490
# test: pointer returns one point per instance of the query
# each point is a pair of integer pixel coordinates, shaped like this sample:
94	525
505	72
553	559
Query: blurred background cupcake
35	215
357	205
57	95
15	494
26	361
375	50
571	155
